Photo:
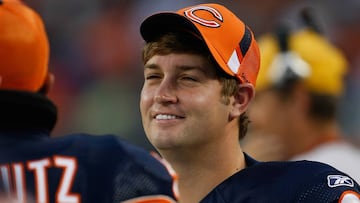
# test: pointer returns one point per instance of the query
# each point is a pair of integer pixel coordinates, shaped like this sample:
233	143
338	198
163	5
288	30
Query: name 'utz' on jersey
80	168
36	166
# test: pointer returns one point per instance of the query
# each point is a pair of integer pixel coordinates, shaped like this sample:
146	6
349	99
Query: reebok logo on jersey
339	180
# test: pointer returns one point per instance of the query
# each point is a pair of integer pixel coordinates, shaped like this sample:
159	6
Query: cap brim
160	23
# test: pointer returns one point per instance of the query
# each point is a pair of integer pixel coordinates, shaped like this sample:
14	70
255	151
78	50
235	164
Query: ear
241	100
48	84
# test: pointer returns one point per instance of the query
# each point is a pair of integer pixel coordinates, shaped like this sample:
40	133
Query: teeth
165	117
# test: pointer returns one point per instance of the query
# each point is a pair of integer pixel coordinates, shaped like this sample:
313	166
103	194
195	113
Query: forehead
179	61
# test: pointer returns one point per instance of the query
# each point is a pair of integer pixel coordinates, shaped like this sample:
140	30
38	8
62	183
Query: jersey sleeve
140	174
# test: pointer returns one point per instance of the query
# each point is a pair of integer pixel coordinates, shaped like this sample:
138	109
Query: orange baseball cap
24	47
229	40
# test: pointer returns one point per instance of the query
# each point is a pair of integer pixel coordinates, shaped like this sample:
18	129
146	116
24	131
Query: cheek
146	97
210	107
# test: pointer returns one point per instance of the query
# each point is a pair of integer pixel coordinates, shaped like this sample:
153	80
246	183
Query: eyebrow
151	66
181	67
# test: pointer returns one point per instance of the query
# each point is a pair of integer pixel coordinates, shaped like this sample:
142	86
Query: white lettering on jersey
18	171
339	180
70	167
12	179
5	177
39	168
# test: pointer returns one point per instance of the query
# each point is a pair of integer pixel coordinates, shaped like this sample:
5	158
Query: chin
162	143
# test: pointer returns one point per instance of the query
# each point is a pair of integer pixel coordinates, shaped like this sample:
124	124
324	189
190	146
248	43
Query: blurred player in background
72	169
294	114
200	69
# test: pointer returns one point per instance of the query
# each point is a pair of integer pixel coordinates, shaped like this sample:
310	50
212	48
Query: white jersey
341	155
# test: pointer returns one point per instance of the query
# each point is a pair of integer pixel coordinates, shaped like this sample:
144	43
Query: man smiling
200	68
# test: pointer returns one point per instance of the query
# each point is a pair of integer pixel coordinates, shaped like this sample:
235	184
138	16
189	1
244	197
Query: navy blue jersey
78	168
301	181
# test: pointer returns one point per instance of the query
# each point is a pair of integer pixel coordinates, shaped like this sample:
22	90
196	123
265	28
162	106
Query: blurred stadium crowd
96	47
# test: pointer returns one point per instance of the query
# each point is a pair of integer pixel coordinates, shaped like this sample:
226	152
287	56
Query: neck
200	171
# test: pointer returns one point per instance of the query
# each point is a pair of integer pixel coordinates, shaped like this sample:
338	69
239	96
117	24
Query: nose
165	93
165	99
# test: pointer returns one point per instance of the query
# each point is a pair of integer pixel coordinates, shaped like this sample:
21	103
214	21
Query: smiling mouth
167	117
